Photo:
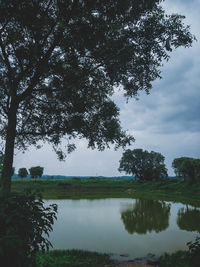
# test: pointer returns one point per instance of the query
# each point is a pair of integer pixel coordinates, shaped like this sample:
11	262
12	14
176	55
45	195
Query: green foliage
72	258
168	189
188	168
25	223
177	259
194	249
36	172
22	172
143	165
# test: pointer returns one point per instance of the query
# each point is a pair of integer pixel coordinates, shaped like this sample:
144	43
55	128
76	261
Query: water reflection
146	216
189	219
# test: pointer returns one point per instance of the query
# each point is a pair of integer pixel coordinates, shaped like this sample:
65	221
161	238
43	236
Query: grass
80	258
94	188
177	259
72	258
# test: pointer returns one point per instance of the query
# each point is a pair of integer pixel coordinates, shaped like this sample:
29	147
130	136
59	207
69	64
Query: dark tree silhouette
22	172
143	165
36	171
188	168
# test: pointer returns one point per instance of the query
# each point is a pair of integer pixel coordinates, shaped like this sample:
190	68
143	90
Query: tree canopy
36	171
143	165
60	61
188	168
22	172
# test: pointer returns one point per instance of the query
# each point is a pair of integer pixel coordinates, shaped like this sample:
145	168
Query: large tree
60	61
143	165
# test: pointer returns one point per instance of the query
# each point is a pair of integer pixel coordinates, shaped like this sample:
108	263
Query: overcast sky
166	121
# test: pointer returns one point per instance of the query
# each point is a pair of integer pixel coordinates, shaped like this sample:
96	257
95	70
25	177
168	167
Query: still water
116	225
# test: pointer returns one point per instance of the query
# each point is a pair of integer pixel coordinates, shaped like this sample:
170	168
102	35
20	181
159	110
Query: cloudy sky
166	121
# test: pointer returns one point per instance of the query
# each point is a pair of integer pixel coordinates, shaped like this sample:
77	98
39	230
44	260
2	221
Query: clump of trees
143	165
187	168
36	172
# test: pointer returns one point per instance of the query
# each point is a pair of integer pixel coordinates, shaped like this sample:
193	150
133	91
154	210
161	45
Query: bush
194	249
24	227
177	259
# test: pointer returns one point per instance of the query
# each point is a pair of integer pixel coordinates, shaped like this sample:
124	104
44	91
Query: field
76	188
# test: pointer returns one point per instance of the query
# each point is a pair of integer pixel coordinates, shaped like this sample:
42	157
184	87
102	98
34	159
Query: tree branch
6	60
45	58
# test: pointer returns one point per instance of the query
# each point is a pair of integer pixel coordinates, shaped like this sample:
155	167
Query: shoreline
92	188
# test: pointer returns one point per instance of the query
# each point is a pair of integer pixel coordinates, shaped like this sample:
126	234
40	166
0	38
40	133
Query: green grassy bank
72	258
79	258
94	188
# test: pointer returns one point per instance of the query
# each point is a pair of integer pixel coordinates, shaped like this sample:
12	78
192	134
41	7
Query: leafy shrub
25	224
194	249
177	259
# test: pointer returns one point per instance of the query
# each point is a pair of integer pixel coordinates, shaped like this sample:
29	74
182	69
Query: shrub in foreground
25	224
72	258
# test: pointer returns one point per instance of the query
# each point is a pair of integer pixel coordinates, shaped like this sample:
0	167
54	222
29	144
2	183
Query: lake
119	225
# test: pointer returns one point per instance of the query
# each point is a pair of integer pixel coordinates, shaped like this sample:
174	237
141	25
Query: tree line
35	172
143	165
150	166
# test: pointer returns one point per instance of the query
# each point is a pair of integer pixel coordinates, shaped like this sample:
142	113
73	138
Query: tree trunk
9	148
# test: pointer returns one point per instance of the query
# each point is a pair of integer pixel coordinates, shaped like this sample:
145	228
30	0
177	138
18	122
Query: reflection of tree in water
145	216
189	219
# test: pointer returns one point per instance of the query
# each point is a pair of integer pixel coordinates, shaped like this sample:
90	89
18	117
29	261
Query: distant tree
143	165
60	62
176	166
22	172
188	168
36	172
